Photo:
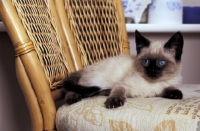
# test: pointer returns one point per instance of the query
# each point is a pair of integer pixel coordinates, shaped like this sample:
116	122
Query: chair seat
138	114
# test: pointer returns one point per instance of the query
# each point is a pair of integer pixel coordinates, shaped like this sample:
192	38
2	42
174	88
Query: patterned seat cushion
138	114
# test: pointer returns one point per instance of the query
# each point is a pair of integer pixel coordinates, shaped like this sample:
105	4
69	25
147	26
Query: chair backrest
42	55
96	27
53	38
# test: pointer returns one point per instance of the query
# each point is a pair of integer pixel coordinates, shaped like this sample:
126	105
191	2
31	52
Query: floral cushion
138	114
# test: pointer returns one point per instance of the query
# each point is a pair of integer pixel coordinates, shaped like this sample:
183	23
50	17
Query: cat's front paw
172	93
114	102
72	97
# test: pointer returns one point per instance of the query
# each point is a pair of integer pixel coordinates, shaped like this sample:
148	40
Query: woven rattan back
97	27
38	21
42	55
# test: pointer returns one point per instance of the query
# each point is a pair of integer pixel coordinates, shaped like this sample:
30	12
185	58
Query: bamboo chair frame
38	89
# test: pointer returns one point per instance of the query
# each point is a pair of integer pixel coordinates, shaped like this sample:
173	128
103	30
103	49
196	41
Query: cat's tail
82	90
71	84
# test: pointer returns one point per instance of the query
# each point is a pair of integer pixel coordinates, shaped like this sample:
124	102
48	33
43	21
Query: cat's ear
141	42
175	45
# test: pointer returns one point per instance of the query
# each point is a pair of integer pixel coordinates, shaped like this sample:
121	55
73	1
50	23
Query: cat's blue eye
162	63
145	62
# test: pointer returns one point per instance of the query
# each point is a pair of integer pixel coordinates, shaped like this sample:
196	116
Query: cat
154	72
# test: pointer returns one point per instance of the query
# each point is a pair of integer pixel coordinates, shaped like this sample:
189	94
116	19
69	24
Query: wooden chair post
42	56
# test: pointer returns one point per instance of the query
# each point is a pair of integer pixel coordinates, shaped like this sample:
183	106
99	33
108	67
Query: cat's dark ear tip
179	33
137	33
180	36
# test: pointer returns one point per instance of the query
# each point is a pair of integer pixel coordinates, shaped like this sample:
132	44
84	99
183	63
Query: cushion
138	114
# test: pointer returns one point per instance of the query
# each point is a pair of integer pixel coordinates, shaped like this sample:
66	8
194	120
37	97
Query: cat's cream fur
154	71
129	75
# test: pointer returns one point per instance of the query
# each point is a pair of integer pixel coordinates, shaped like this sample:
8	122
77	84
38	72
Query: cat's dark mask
174	44
155	64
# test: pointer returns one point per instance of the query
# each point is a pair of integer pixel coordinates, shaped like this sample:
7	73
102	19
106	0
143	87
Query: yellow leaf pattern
166	125
120	126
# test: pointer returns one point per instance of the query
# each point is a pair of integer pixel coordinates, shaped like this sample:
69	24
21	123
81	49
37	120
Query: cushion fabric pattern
138	114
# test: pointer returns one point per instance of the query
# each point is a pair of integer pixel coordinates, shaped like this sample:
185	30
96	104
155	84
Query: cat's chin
153	78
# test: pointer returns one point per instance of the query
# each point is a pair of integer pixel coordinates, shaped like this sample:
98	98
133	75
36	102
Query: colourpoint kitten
153	72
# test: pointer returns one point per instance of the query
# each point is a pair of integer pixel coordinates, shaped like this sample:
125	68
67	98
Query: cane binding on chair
24	48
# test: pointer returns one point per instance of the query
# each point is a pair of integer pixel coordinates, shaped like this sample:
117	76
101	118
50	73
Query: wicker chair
50	45
97	28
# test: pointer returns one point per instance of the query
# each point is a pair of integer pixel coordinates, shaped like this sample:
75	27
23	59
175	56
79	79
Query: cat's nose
152	71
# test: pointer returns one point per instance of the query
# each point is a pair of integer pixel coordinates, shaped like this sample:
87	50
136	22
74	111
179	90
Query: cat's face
158	60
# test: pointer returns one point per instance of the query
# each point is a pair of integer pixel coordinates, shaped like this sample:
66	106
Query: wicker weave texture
37	20
96	28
